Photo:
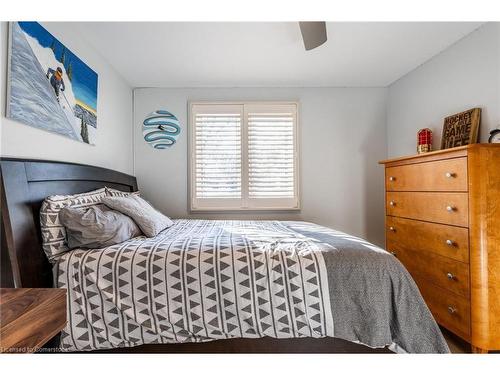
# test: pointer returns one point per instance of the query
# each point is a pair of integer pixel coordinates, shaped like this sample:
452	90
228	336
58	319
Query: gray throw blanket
374	299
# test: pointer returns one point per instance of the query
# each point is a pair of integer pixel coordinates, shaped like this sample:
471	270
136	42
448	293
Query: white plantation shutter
216	156
244	156
271	154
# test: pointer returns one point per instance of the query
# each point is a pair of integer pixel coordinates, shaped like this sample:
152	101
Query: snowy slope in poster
27	80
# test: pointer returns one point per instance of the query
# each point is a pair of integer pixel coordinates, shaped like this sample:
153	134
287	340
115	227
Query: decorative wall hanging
160	129
49	87
424	140
461	129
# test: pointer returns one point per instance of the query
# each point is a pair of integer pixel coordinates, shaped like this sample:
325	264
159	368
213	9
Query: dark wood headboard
25	184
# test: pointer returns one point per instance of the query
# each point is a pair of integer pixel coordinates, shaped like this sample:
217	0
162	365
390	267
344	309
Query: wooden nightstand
30	317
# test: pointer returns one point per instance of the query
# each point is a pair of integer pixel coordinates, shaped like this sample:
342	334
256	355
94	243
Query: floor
456	344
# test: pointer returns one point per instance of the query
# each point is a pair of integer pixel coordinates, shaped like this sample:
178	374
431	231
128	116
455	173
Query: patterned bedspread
203	280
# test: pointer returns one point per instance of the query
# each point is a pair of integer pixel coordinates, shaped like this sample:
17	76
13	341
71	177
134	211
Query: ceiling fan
313	34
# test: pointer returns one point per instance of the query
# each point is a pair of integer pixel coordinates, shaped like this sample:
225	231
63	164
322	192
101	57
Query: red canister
424	140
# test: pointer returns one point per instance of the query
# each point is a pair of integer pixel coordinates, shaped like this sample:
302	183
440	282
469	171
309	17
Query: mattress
203	280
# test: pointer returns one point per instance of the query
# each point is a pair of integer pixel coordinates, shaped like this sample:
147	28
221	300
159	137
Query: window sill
239	210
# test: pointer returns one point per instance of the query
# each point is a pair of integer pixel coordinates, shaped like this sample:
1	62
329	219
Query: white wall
113	147
342	138
464	76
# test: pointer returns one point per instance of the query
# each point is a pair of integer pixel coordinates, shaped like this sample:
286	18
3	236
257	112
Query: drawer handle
392	229
450	243
392	178
452	310
392	203
450	276
450	208
450	174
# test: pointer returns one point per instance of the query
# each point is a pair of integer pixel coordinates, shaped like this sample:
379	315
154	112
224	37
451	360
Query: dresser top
448	153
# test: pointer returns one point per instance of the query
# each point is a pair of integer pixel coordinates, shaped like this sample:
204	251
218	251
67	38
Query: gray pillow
96	227
145	216
53	232
110	192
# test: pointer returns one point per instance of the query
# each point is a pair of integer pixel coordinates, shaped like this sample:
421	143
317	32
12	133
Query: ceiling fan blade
313	34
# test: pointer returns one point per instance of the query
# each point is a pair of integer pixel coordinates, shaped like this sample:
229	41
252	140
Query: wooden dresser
443	224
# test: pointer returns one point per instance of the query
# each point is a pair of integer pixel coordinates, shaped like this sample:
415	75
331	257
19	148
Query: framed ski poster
49	87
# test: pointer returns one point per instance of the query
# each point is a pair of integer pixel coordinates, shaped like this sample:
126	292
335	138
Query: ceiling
222	54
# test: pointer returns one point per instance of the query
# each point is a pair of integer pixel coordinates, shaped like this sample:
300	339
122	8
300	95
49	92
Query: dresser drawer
444	208
444	272
452	312
442	175
421	236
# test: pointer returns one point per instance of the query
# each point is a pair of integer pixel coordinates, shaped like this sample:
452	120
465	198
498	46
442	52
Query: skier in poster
56	80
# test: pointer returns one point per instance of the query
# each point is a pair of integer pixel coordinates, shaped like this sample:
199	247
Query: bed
212	286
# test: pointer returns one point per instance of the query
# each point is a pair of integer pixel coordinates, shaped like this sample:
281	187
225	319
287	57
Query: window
243	156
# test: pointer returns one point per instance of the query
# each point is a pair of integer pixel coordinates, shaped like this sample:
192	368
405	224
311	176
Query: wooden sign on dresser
443	224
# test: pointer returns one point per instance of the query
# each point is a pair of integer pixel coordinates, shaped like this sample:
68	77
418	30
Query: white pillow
145	216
